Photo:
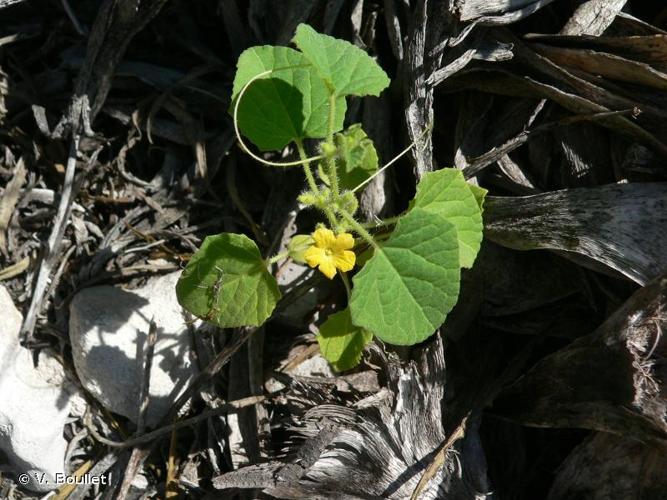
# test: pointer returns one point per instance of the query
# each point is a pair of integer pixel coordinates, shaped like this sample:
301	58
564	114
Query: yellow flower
331	252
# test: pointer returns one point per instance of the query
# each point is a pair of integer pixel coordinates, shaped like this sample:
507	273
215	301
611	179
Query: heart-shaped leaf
346	69
290	103
406	289
226	283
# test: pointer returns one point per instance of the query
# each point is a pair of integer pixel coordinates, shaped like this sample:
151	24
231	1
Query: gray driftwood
611	380
622	226
7	3
497	11
377	448
606	466
593	17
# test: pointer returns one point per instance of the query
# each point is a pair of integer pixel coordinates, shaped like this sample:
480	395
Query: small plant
410	277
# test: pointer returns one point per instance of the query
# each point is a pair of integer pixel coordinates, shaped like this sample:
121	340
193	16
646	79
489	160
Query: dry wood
561	117
116	24
438	460
374	451
651	49
510	10
608	466
593	17
149	437
7	3
621	226
419	98
10	198
50	255
98	470
507	12
607	65
608	381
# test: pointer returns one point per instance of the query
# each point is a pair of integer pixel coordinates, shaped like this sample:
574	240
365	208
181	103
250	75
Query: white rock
108	332
315	366
35	404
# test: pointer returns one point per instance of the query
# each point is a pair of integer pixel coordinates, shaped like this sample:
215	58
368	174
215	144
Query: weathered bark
622	226
378	447
611	380
593	17
608	467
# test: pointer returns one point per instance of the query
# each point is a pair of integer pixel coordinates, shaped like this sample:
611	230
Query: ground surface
547	381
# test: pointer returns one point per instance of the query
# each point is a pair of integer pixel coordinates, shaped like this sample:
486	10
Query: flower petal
328	268
314	255
344	241
344	260
324	238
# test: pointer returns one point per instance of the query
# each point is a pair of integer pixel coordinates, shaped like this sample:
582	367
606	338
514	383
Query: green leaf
286	105
406	289
342	343
446	193
357	159
347	69
227	284
479	193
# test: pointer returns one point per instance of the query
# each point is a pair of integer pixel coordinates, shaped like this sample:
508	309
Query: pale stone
109	330
36	403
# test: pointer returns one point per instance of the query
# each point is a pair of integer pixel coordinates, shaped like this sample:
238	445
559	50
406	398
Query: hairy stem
332	117
331	161
276	258
306	166
331	217
389	221
356	227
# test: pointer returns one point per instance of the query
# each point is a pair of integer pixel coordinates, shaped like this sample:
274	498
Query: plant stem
312	184
276	258
358	228
331	161
306	167
346	283
384	222
332	117
331	217
392	161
